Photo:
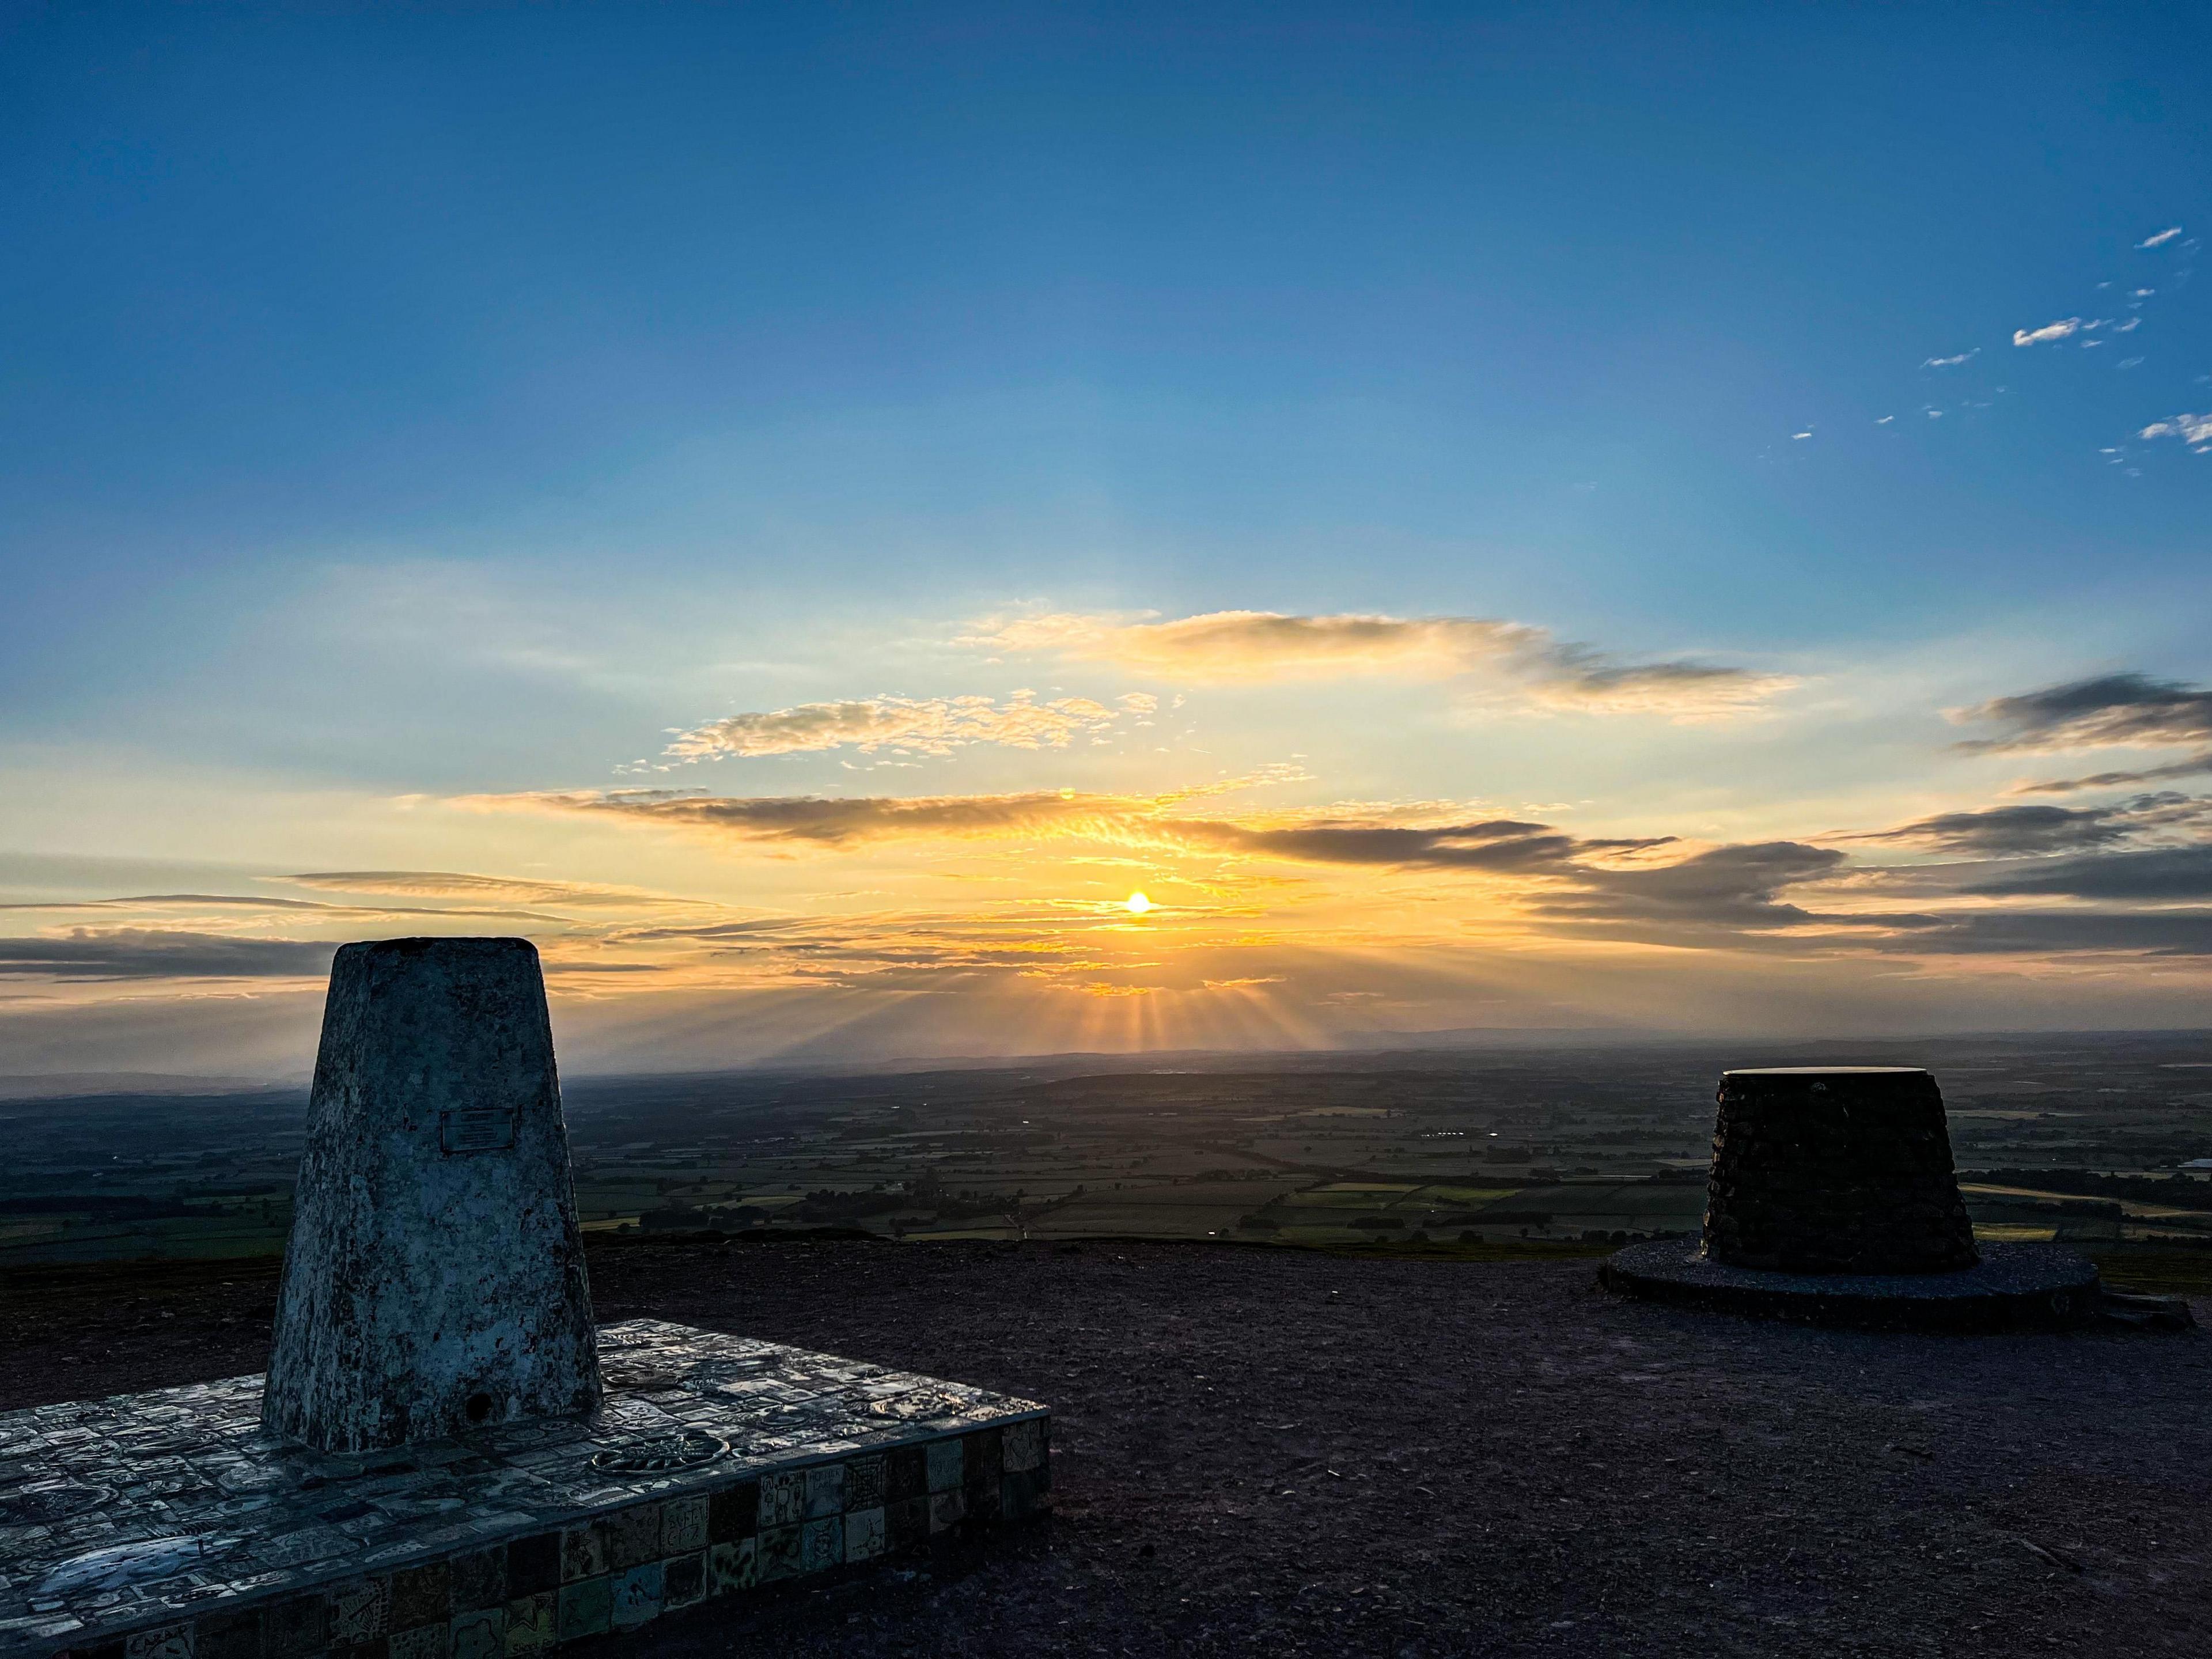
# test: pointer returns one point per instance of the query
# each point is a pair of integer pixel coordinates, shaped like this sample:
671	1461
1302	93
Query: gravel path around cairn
1278	1452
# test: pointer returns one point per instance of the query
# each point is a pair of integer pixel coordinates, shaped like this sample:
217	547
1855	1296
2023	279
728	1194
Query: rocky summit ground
1273	1452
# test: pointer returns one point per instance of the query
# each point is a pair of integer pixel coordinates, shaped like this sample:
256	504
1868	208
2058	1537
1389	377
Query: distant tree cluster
829	1205
2089	1182
109	1206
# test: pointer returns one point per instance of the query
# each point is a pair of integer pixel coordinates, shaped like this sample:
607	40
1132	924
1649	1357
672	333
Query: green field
1341	1212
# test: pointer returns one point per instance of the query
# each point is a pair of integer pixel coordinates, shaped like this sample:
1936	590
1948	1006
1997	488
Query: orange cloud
1231	646
934	725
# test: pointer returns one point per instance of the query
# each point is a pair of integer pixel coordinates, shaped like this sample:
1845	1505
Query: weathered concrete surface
169	1526
434	1279
2013	1287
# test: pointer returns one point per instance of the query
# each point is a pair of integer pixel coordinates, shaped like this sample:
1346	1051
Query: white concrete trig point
435	1281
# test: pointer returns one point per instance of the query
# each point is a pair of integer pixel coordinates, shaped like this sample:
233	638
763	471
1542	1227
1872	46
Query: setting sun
1199	586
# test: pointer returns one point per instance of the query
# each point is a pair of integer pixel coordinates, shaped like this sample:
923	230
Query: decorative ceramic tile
732	1567
170	1642
170	1526
1023	1445
864	1483
982	1464
906	1473
531	1625
779	1553
947	1509
478	1635
636	1595
864	1534
825	1491
633	1536
682	1526
684	1580
296	1627
734	1512
782	1499
583	1552
907	1523
584	1608
422	1595
360	1611
945	1468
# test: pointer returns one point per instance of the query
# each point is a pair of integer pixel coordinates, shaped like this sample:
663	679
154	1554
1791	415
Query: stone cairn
1844	1170
435	1280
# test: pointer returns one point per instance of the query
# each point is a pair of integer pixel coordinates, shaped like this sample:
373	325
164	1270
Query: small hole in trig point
479	1407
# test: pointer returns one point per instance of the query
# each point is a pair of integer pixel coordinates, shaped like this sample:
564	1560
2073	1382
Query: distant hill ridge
64	1086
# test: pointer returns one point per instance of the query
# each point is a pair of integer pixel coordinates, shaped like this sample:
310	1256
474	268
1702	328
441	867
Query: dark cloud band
2107	711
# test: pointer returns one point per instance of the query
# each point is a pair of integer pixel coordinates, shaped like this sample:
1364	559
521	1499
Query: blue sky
429	402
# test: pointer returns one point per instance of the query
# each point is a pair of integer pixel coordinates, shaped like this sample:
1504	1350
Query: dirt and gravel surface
1279	1453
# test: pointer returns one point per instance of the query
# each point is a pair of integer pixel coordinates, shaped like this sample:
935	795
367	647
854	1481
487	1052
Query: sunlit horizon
941	539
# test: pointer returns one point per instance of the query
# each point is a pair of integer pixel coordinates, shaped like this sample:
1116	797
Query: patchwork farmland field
2081	1138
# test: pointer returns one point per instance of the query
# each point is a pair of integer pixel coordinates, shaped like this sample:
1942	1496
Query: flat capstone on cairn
447	1460
1833	1200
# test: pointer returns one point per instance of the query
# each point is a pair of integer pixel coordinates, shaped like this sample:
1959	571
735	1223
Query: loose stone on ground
1273	1451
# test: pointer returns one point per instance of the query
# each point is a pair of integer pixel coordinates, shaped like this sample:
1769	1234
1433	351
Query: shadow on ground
1284	1453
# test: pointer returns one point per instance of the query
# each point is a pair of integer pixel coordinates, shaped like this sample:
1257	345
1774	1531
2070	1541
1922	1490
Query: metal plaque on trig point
476	1129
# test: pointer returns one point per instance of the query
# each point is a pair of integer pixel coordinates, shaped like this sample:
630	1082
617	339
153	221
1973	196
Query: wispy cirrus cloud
135	953
2195	430
1534	878
2195	766
2087	333
448	884
1244	647
2043	831
1083	947
2106	711
1741	895
1584	881
1339	836
2006	831
1577	678
314	909
2048	932
850	821
1736	888
1232	646
918	725
2156	875
833	821
1495	844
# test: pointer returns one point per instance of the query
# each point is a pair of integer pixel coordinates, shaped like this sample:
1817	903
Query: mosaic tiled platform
170	1526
